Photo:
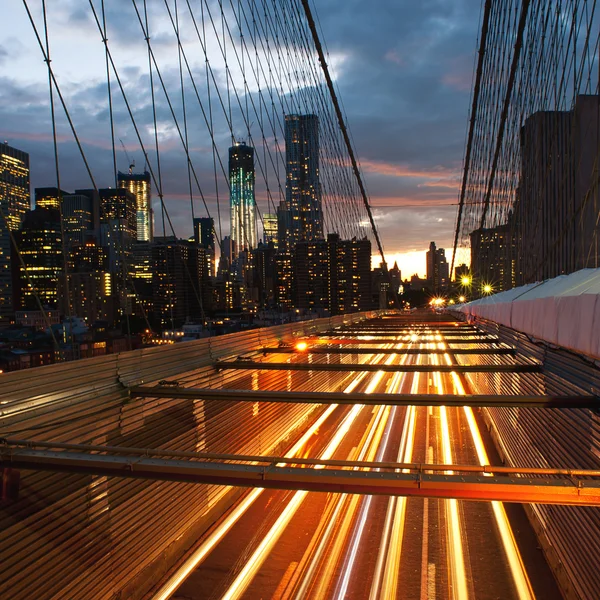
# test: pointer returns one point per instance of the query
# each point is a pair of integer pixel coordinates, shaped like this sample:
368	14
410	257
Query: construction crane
131	162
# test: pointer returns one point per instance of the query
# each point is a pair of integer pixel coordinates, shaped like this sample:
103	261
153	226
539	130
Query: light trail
455	549
515	561
198	556
375	434
254	563
385	580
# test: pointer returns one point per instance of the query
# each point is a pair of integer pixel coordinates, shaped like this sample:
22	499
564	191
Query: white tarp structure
563	311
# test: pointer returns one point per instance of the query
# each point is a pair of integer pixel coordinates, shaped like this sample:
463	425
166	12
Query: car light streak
515	561
372	442
382	434
455	549
385	579
254	563
198	556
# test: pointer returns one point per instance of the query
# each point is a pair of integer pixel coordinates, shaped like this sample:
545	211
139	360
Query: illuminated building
241	182
333	275
40	244
15	201
139	184
494	258
204	235
270	227
142	266
349	274
48	197
301	218
118	230
180	282
437	268
284	281
81	217
311	275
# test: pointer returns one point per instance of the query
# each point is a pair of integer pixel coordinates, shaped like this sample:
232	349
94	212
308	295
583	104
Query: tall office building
15	201
557	202
303	207
438	275
333	275
242	203
40	243
270	229
494	257
118	232
139	184
48	197
81	217
204	236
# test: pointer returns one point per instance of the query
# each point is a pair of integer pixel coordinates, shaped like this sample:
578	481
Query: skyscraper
304	219
140	186
557	202
48	197
15	202
204	236
40	243
270	228
81	217
241	182
437	268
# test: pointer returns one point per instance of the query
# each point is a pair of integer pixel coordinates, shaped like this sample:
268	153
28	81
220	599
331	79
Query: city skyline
401	167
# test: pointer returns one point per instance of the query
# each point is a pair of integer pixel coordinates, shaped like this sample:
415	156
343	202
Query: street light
461	299
487	288
466	280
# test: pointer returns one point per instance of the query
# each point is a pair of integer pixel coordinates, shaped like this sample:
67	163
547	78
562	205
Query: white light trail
515	561
198	556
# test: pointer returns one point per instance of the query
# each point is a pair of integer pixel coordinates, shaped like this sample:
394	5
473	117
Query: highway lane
311	545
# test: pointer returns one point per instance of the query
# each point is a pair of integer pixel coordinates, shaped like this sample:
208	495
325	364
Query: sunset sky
403	70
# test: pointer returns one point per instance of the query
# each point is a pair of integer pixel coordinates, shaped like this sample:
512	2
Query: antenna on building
131	162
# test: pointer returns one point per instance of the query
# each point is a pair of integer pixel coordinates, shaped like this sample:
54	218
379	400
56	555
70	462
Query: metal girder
274	366
416	351
568	491
386	337
474	400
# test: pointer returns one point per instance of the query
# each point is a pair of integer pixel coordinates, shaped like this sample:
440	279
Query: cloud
402	70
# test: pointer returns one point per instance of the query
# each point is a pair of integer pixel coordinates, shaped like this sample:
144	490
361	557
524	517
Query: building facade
15	199
301	217
40	243
437	268
242	202
557	205
494	258
333	275
139	184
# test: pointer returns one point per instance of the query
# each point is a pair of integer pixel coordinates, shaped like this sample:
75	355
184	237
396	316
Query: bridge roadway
282	544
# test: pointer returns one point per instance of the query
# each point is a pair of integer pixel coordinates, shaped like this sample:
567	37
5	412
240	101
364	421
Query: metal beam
568	491
374	350
467	337
274	366
12	444
475	400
